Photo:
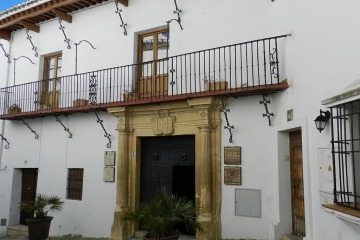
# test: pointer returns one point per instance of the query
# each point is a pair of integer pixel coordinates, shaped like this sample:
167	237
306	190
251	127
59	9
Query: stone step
17	230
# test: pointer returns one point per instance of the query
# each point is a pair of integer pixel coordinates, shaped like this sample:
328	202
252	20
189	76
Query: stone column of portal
205	217
119	230
205	161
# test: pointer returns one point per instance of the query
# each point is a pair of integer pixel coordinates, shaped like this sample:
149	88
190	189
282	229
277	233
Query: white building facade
103	101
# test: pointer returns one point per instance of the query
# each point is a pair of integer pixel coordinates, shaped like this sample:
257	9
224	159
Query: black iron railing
345	121
212	71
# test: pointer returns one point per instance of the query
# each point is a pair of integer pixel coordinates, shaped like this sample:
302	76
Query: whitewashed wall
322	56
53	153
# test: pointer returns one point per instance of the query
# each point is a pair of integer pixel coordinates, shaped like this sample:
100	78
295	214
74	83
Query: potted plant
14	108
161	216
39	224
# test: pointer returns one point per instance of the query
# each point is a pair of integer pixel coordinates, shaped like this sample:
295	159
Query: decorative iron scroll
93	90
172	83
33	131
65	128
67	40
274	64
107	135
267	114
178	19
36	97
33	47
6	54
228	126
119	11
7	145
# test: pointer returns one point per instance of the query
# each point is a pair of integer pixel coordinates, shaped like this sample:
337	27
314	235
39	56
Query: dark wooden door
167	162
28	189
297	186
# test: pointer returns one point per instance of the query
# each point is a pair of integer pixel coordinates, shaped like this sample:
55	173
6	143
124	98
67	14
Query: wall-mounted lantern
322	119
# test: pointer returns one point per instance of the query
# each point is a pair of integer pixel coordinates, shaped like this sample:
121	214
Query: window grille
75	183
345	121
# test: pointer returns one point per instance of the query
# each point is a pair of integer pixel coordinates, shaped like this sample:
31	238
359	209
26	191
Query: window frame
55	70
75	176
345	140
155	59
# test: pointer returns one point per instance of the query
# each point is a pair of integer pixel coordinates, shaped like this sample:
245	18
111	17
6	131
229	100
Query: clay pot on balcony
216	86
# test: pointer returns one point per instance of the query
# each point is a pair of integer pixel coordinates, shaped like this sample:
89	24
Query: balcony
243	69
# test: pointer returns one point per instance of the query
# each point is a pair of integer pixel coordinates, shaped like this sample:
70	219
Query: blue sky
5	4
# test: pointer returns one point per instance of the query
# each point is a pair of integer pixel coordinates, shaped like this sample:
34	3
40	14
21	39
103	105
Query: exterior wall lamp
322	119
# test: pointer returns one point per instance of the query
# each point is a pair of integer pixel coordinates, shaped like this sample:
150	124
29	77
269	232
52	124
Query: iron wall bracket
33	131
65	128
107	135
76	52
7	145
119	11
15	59
32	44
177	12
67	40
6	54
267	114
225	111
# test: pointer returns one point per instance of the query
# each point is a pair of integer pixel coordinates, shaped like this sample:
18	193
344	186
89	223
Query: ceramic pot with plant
39	224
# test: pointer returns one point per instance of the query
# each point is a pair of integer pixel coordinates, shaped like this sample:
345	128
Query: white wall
53	153
320	58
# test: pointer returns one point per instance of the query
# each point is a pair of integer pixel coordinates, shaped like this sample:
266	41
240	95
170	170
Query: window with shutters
75	183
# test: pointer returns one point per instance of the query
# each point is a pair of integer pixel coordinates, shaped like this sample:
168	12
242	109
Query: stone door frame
199	117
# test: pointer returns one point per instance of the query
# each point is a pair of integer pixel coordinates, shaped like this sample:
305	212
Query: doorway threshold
17	230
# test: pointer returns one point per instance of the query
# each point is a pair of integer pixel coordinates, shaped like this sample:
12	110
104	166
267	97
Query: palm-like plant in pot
39	224
161	216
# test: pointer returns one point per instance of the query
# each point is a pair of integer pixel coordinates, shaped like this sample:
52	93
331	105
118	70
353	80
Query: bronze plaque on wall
232	155
232	175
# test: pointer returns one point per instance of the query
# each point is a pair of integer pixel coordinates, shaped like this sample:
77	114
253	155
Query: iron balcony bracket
267	114
32	130
33	47
6	54
65	128
4	139
119	11
107	135
225	111
67	40
178	19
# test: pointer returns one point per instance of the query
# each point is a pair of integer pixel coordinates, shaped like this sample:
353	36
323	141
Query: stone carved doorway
199	117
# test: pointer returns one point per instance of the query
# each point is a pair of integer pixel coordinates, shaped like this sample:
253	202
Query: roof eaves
20	7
